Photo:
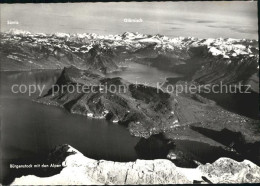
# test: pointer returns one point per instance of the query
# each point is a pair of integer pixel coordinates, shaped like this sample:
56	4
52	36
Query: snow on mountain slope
76	47
61	35
18	32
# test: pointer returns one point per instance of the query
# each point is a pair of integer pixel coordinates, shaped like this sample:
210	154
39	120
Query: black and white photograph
129	93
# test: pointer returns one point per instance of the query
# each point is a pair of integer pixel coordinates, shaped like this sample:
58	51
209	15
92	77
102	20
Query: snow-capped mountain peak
226	48
61	35
14	31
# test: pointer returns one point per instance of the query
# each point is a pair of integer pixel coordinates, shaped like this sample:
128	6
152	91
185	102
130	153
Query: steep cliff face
228	71
102	59
80	170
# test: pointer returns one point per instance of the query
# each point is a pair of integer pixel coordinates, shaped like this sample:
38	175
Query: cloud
206	21
226	19
218	26
176	28
171	23
244	30
238	29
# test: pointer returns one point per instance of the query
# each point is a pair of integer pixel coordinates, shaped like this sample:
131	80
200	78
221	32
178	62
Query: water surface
30	130
143	74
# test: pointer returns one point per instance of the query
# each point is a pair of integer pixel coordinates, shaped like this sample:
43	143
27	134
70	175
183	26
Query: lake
30	130
143	74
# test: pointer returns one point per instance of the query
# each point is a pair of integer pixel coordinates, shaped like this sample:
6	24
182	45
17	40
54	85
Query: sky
213	19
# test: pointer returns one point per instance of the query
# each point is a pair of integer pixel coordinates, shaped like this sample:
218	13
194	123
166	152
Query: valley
142	115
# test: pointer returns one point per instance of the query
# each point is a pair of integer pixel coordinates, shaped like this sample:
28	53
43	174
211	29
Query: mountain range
86	59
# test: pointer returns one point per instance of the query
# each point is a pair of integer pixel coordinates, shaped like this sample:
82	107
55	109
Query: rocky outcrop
226	170
80	170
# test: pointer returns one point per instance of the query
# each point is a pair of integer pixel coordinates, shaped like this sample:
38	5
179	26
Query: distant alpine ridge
87	58
203	60
23	46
